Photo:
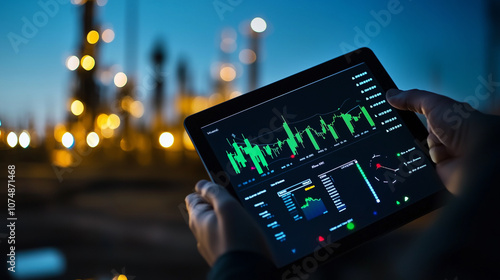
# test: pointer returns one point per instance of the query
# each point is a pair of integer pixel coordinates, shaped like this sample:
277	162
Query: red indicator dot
252	168
292	156
378	165
321	238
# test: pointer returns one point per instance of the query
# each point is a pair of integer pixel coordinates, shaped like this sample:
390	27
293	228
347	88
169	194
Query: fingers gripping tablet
320	158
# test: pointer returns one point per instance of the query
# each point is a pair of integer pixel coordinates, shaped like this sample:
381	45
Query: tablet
320	159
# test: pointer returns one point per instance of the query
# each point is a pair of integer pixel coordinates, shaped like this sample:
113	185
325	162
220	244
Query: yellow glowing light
126	102
120	79
88	62
12	139
68	140
137	109
62	158
166	139
59	131
258	25
108	35
102	121
121	277
92	139
227	73
234	94
215	99
107	132
24	139
92	37
113	121
199	103
125	145
77	107
72	62
187	142
247	56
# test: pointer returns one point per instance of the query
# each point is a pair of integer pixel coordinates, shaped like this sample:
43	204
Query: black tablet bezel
195	122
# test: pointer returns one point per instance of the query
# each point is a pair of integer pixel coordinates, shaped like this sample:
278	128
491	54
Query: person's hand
220	224
454	129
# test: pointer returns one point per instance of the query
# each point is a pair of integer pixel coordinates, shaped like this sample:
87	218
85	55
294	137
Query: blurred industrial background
93	94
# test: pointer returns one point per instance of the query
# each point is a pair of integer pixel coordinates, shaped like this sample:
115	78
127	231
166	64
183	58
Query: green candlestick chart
258	153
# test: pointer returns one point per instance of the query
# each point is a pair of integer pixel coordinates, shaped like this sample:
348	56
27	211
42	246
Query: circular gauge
384	169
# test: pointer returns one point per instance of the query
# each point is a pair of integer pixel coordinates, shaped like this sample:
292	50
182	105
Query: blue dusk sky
432	45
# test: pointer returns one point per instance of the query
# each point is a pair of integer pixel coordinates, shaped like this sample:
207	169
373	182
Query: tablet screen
321	161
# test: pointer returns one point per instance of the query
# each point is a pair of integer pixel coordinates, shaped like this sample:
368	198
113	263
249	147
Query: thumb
445	116
419	101
215	195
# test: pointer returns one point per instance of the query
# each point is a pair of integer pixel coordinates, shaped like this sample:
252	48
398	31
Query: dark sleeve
242	266
464	243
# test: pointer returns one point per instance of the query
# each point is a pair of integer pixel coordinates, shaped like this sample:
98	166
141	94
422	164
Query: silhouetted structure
86	89
159	58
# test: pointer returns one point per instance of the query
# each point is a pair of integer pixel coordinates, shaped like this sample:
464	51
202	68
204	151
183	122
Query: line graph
243	152
313	208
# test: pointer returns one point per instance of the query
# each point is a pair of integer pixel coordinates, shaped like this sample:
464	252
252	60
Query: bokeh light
120	277
120	79
187	142
113	121
258	25
72	62
228	45
107	132
92	37
215	99
102	121
108	35
12	139
126	102
62	158
59	131
78	2
235	94
77	107
166	139
247	56
24	139
68	140
125	145
227	72
136	109
92	139
88	62
199	103
102	2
